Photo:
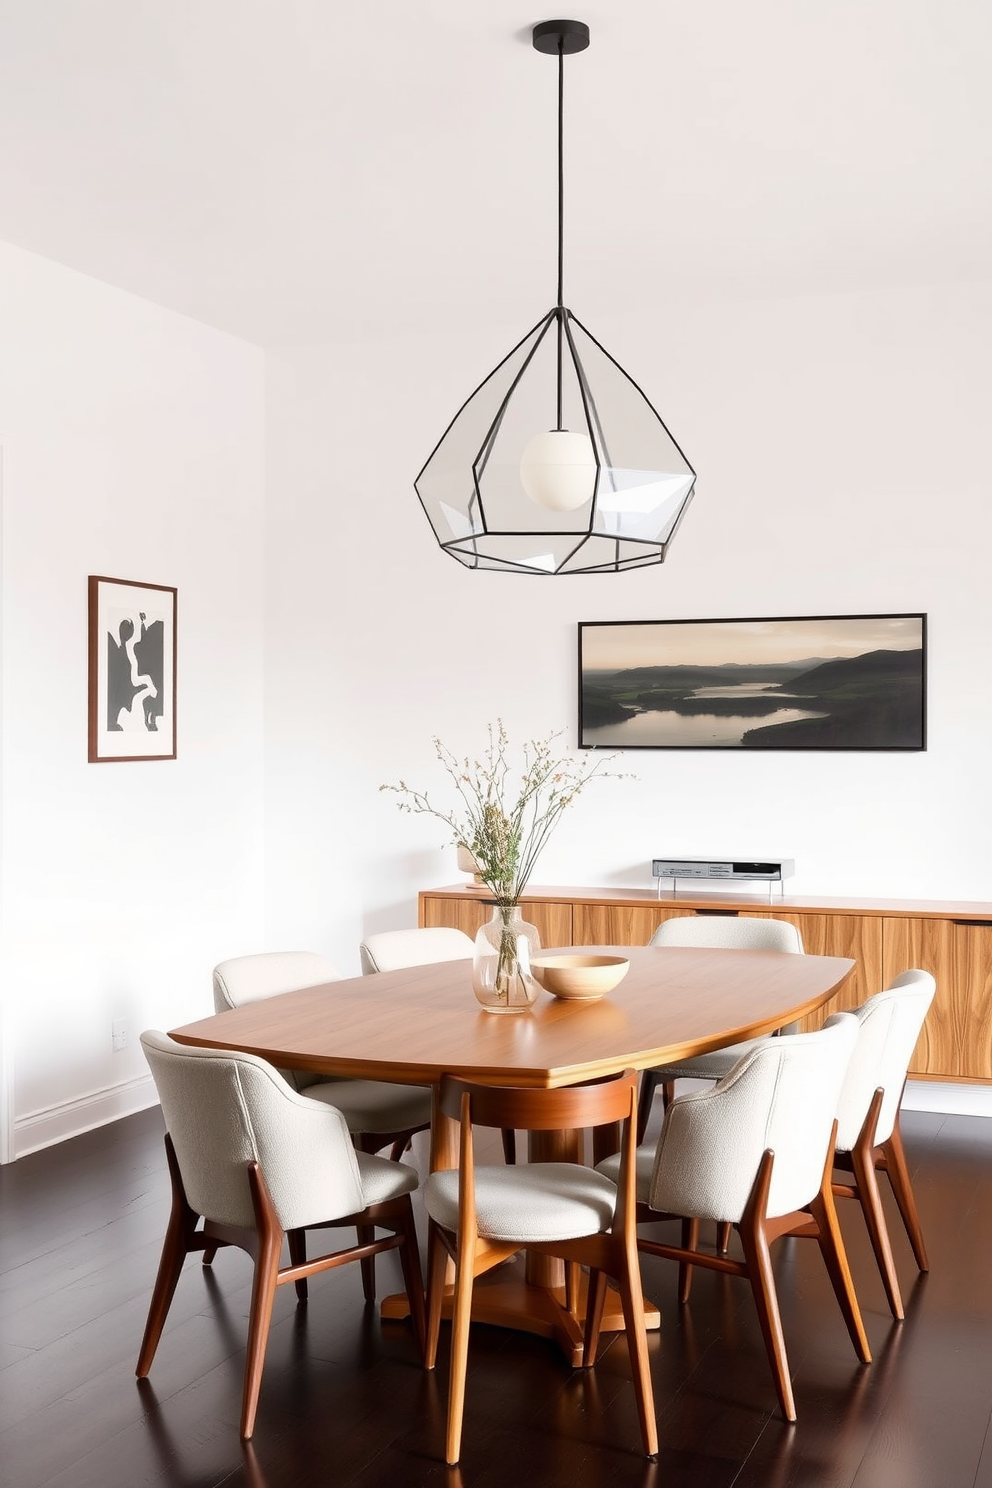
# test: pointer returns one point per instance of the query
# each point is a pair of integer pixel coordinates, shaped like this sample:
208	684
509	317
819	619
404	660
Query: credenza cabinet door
619	924
956	1042
553	921
457	914
858	936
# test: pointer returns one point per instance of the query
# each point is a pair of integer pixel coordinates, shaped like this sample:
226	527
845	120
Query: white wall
133	447
843	458
843	467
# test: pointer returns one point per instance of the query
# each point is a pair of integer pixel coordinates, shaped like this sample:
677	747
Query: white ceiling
301	170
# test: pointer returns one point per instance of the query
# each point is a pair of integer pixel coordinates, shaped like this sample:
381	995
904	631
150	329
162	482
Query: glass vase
501	974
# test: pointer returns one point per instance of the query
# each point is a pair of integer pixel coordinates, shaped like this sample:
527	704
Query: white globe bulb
558	470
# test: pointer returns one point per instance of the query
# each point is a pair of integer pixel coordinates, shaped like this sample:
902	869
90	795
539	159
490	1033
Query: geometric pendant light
557	462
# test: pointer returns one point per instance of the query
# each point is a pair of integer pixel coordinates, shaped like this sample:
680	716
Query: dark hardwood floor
345	1402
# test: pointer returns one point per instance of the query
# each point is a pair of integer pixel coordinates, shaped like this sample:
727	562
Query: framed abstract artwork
132	670
806	682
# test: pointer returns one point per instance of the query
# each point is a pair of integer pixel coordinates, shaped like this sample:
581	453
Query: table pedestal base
506	1300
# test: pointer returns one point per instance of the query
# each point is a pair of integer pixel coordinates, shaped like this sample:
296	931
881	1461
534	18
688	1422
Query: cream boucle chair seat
711	932
756	1152
481	1216
259	1163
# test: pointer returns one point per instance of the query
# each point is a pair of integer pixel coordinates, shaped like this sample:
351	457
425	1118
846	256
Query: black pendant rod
561	169
561	213
558	38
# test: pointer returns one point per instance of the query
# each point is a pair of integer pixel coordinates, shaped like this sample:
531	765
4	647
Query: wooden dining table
415	1025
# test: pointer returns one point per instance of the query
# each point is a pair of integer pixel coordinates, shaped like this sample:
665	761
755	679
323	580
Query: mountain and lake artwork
815	682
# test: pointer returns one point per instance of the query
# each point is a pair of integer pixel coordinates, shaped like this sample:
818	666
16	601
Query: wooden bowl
579	977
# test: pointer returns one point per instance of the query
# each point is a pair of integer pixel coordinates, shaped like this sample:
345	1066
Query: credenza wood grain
957	1036
951	939
553	921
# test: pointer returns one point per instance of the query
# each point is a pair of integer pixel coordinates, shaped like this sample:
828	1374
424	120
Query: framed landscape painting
132	670
808	682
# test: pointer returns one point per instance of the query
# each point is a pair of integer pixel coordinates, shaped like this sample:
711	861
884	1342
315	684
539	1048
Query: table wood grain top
414	1025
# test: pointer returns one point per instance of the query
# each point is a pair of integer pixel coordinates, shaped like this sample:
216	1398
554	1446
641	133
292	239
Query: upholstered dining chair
258	1162
481	1216
869	1138
391	950
379	1113
710	932
756	1151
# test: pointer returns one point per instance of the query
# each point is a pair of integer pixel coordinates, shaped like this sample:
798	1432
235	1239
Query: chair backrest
888	1027
730	932
391	950
574	1107
224	1110
781	1095
246	978
571	1107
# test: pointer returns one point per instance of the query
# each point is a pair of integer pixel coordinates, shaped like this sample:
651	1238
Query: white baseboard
949	1099
69	1118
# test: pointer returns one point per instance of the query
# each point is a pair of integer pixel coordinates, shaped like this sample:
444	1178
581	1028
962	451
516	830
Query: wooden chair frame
650	1080
364	1141
264	1244
817	1221
866	1158
611	1254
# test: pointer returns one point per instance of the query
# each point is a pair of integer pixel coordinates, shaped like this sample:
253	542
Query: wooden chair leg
690	1241
175	1248
645	1100
263	1292
831	1244
895	1165
866	1181
759	1270
509	1147
209	1251
298	1254
366	1235
437	1269
723	1236
632	1302
461	1318
595	1301
413	1278
762	1279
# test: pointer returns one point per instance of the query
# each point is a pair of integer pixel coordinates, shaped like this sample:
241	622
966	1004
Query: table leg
553	1146
528	1297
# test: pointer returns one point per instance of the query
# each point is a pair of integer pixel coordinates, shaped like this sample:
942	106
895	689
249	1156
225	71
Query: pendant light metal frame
470	488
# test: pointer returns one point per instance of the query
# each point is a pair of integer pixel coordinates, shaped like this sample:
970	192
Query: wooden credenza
885	937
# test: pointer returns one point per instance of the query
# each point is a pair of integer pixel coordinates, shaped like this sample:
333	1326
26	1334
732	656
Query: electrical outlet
118	1034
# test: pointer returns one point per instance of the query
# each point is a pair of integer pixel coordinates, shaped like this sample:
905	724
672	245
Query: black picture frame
848	682
132	671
